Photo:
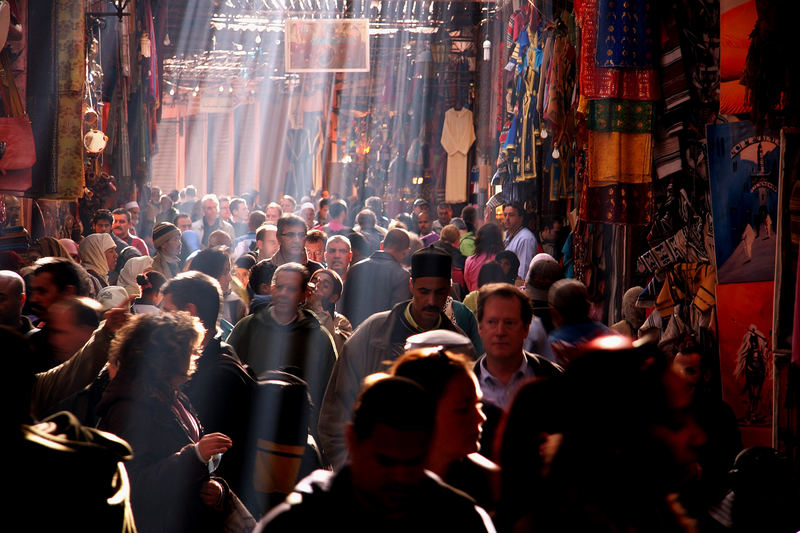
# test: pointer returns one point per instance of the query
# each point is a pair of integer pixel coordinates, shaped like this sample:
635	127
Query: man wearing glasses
291	246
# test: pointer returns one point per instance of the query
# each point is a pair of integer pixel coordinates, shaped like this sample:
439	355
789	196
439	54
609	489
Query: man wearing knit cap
381	338
167	240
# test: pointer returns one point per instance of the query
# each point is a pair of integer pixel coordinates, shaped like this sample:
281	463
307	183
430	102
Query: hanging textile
70	70
625	37
600	82
458	134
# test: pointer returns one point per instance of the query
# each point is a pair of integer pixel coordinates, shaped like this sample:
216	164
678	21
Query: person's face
12	210
11	301
551	234
687	365
323	289
388	466
323	212
225	209
287	205
501	329
444	215
242	274
272	215
308	216
424	223
121	226
102	226
459	417
338	256
292	240
287	292
429	295
316	251
269	244
165	203
111	257
680	433
505	264
63	335
512	219
134	211
173	246
225	279
184	224
44	293
241	212
210	211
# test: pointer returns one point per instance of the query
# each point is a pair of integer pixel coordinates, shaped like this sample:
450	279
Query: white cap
132	204
112	296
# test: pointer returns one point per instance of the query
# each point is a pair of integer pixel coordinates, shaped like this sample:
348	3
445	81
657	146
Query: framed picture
327	45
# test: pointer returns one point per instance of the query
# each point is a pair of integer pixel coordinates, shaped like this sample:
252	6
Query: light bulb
172	92
556	153
258	39
544	134
487	50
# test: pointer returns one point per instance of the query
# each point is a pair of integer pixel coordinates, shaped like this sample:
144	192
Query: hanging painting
327	45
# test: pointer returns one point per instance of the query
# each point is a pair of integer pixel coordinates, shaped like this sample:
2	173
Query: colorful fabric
599	82
688	282
625	36
622	116
619	158
622	203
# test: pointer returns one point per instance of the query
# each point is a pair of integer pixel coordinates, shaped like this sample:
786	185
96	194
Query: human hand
211	493
116	317
212	444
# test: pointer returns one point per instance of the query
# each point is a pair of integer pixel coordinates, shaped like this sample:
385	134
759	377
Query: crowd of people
214	364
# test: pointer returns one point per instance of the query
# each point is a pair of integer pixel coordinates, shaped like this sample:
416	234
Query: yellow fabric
619	158
695	281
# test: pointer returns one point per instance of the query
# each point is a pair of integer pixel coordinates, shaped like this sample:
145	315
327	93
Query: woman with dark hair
453	454
509	262
217	264
488	243
172	489
150	284
491	272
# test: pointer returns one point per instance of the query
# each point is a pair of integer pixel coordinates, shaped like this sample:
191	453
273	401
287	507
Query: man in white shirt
519	239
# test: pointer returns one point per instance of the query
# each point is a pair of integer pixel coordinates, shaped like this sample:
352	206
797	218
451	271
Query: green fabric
467	244
624	116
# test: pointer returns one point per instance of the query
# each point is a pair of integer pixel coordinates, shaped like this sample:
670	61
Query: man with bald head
12	298
379	282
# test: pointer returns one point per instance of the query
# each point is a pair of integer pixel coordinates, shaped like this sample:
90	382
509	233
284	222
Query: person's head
72	249
191	192
288	203
491	272
444	213
12	209
388	442
338	210
197	294
183	222
470	217
459	224
338	254
308	213
210	207
419	206
98	252
239	210
569	302
489	239
315	245
157	351
53	279
635	315
504	316
509	262
289	288
165	203
327	288
150	284
219	238
430	285
214	263
396	243
552	227
359	246
255	220
267	241
691	365
273	212
261	277
48	247
292	236
12	298
241	268
322	209
543	272
167	239
101	221
225	208
366	219
513	216
70	323
447	376
374	204
424	222
450	235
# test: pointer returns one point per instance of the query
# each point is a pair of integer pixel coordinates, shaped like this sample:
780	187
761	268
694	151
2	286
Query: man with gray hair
211	221
12	299
338	255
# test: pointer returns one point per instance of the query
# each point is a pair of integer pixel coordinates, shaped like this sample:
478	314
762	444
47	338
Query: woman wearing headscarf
98	256
48	247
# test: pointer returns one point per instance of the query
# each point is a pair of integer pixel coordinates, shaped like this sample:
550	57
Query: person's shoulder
303	506
543	367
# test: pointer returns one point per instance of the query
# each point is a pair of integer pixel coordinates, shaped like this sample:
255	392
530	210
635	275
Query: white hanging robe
458	134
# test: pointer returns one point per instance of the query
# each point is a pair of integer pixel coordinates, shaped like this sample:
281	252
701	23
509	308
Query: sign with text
327	45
